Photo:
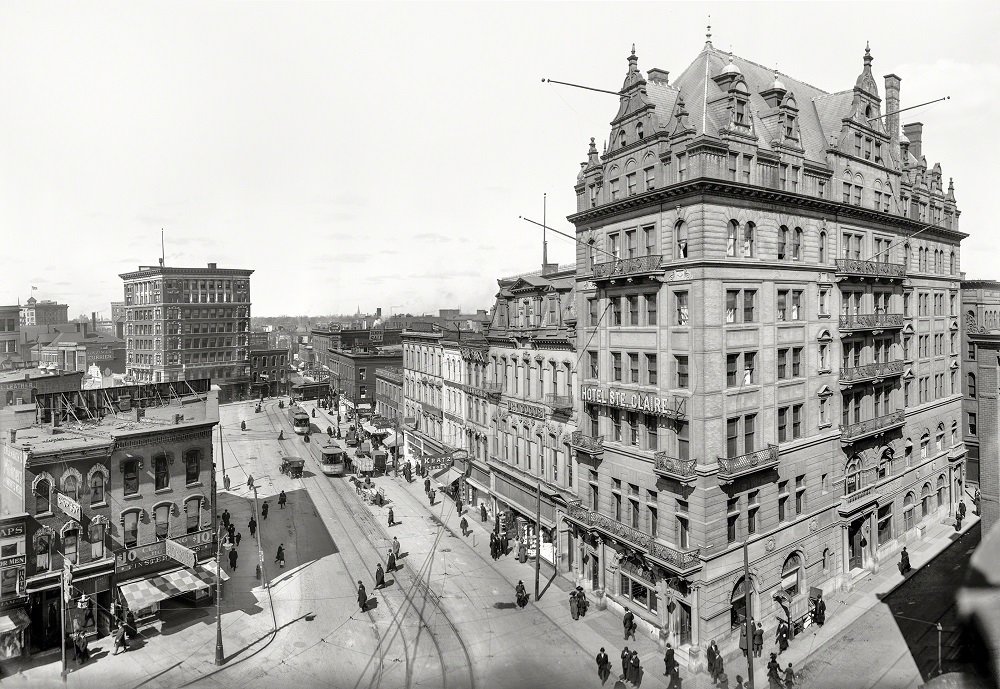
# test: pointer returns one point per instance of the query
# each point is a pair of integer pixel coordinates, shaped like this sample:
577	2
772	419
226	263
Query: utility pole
746	601
220	654
260	556
538	536
62	616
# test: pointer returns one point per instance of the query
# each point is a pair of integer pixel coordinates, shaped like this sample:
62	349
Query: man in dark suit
603	666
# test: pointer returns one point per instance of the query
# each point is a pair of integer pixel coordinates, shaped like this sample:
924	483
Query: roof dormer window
638	130
622	139
741	108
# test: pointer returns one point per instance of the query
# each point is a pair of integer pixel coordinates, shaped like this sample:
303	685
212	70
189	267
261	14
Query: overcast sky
371	154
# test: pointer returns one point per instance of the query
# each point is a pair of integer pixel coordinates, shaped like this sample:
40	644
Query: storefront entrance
45	620
856	544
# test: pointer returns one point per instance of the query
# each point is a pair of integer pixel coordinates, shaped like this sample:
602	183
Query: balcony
863	429
681	560
592	445
627	267
730	468
431	410
858	500
854	268
559	403
671	467
871	321
874	371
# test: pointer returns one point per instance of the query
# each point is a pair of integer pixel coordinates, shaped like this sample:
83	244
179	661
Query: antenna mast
163	250
545	243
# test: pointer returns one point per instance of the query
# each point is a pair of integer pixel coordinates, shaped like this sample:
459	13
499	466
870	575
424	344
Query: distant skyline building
44	312
184	323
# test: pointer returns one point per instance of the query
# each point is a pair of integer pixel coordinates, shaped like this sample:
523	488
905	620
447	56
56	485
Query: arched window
71	488
738	601
97	489
908	521
797	244
885	463
638	130
939	438
852	475
681	235
925	440
161	471
43	503
749	239
43	551
906	256
942	489
782	243
827	559
925	500
791	575
161	515
954	433
951	265
822	247
96	538
972	385
732	239
130	527
622	139
192	466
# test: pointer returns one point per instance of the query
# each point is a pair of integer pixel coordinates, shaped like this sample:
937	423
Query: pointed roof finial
708	31
633	48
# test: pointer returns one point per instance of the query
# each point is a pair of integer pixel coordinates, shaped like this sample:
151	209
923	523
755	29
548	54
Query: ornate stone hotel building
767	288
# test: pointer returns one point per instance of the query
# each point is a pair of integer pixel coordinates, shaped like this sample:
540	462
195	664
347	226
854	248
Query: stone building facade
767	289
44	312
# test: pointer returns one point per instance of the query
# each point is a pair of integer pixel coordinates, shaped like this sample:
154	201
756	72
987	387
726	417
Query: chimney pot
212	266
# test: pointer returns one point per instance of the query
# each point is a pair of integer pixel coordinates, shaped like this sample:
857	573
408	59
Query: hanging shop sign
151	557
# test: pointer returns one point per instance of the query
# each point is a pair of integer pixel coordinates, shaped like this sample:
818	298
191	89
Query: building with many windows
187	323
269	371
9	335
104	478
44	312
352	374
767	287
980	367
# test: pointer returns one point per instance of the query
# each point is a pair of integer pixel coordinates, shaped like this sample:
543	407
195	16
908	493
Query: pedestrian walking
493	545
743	639
458	506
465	526
81	647
282	499
581	601
233	557
674	682
758	640
482	511
977	501
961	509
392	517
720	667
521	594
504	543
263	510
711	659
789	677
362	596
239	537
628	622
395	547
668	660
820	610
427	486
773	673
636	669
626	661
574	611
279	557
231	530
130	630
739	682
379	577
120	640
904	562
391	564
250	482
603	666
252	525
225	519
431	496
225	481
781	638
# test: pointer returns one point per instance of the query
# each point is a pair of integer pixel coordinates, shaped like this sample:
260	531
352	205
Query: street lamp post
220	655
746	602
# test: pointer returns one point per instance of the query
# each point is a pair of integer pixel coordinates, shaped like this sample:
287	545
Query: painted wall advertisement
151	557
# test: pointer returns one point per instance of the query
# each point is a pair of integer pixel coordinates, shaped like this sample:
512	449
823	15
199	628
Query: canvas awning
391	440
143	593
13	620
448	476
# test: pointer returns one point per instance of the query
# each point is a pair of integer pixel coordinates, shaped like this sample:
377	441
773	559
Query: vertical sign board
12	470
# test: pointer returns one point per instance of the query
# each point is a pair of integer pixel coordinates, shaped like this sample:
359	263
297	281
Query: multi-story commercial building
532	361
768	283
389	392
269	371
423	393
9	335
102	481
20	388
72	351
333	338
981	378
189	323
352	374
44	312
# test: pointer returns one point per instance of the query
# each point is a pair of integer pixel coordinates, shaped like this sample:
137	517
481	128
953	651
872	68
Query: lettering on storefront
68	505
631	400
13	561
523	409
148	557
101	356
12	530
13	472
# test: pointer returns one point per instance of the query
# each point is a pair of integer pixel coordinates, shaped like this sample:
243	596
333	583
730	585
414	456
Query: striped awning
143	593
15	619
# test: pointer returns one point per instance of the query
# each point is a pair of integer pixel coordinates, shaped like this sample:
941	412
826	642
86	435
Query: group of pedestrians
578	603
631	666
498	544
755	643
775	678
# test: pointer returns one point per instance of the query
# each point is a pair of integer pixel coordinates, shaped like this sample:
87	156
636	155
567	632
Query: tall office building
187	323
768	282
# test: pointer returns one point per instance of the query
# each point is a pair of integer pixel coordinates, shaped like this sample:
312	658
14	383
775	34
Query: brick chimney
892	106
658	76
212	266
913	132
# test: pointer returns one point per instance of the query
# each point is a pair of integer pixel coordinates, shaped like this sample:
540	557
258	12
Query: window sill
196	484
99	505
824	315
160	491
137	496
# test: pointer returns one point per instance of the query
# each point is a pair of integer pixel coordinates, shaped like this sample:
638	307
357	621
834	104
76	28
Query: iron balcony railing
878	369
731	467
871	321
684	560
590	444
878	269
852	502
854	431
627	267
559	402
671	467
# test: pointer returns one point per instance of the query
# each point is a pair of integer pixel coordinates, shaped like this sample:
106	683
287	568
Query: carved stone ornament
813	525
770	545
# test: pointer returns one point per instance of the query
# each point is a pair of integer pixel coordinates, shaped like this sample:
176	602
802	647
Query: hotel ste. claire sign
628	399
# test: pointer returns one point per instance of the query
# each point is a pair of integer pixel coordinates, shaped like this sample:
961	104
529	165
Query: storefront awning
13	620
143	593
370	428
448	476
391	440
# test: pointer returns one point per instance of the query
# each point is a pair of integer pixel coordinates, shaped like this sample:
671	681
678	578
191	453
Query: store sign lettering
12	530
526	409
12	561
13	473
155	553
635	401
